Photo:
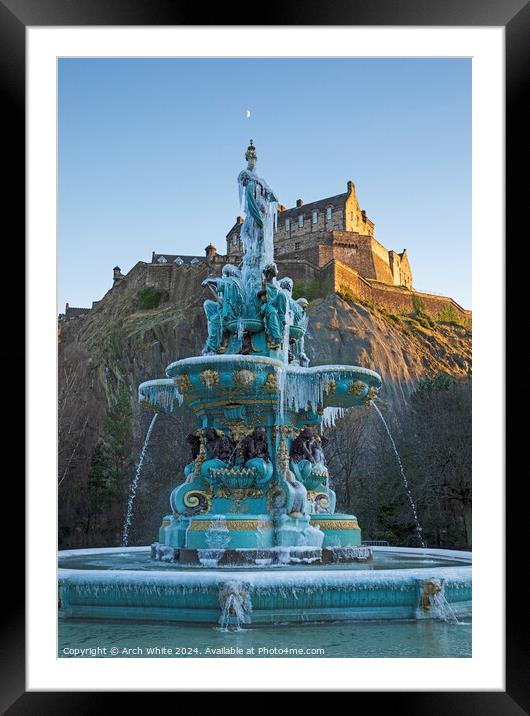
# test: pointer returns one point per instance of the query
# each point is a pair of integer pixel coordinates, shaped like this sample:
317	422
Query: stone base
259	557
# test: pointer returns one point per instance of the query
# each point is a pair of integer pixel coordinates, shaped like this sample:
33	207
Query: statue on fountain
274	307
298	324
226	307
307	458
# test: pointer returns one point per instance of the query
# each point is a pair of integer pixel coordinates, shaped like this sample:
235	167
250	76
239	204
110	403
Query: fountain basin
221	381
167	592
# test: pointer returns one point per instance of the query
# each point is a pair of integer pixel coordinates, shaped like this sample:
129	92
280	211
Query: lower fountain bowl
124	583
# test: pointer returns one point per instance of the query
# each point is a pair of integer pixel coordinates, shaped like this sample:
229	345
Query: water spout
419	530
236	606
134	484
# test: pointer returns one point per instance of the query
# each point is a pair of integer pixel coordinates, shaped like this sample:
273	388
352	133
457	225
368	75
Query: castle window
328	212
179	261
314	217
287	224
301	221
297	246
162	260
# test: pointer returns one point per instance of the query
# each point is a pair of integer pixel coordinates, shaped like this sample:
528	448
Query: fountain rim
451	555
173	368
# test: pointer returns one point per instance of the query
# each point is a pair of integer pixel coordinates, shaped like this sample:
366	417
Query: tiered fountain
256	494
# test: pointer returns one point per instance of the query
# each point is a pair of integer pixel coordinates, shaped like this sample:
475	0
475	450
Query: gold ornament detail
201	457
336	524
331	387
282	452
429	588
209	378
244	377
239	431
372	393
238	493
238	525
357	387
165	523
312	495
184	383
271	384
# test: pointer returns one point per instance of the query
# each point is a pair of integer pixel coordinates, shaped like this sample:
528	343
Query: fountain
256	494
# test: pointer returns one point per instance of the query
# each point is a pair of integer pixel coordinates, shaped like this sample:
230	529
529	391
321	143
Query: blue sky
149	152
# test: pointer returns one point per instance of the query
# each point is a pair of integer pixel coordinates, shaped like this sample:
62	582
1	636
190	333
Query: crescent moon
248	113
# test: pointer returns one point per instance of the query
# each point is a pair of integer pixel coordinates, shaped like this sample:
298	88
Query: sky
150	150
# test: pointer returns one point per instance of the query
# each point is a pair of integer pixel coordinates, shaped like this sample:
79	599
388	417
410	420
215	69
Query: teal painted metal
197	595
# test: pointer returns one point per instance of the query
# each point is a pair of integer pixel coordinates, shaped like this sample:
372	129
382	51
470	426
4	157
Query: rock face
117	345
399	348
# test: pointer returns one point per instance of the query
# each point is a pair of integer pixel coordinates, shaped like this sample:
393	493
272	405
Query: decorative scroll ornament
197	502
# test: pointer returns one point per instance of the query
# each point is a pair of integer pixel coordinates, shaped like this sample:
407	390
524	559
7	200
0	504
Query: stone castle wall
175	282
395	299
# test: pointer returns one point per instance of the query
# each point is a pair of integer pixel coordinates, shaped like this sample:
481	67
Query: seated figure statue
307	458
274	306
255	452
226	307
298	320
221	451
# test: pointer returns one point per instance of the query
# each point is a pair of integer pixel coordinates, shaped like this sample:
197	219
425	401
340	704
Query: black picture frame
514	16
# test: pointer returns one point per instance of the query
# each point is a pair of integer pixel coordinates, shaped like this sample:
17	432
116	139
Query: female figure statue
257	233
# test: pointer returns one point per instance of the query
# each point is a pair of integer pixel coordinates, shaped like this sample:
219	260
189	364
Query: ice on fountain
217	538
160	394
258	240
330	416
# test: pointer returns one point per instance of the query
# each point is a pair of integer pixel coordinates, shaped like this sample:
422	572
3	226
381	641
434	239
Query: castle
332	228
329	242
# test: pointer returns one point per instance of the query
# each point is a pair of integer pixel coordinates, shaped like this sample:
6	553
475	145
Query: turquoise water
388	639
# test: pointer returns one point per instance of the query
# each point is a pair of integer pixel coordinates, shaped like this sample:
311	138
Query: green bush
419	306
449	314
312	289
148	298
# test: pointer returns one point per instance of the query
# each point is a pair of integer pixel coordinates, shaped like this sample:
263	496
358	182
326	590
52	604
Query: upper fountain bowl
236	380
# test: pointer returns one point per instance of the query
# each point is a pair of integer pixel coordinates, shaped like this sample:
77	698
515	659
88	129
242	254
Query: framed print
262	261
